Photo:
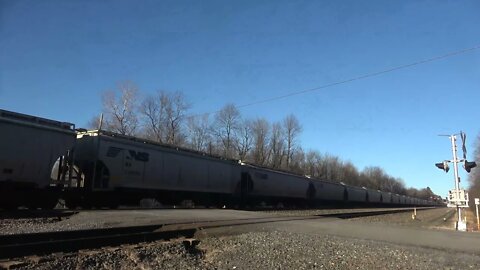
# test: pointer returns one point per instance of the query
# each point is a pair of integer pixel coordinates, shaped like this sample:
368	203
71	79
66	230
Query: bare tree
277	146
292	129
153	112
333	168
199	133
376	178
425	193
474	175
399	187
175	111
297	161
413	192
260	133
226	124
120	107
244	139
164	114
312	159
351	174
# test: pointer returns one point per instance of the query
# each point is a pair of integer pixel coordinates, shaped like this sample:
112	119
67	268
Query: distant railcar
414	201
329	192
274	187
29	148
397	199
374	196
411	201
386	197
357	194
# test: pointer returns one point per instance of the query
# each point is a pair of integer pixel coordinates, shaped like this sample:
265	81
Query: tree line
163	117
474	176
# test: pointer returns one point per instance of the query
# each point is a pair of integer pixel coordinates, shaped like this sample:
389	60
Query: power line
361	77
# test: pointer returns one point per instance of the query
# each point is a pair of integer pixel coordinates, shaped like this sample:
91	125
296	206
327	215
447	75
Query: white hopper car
29	147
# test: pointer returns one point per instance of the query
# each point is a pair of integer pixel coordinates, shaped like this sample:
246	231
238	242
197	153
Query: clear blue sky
56	57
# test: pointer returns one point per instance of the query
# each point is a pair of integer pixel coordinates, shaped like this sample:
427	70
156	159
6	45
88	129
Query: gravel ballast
156	255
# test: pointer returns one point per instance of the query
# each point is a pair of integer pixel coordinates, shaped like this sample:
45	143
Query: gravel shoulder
439	218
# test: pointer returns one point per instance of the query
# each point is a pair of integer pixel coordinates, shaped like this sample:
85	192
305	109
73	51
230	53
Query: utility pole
457	197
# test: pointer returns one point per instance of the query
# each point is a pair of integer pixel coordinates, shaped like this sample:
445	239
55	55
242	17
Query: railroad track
65	213
18	245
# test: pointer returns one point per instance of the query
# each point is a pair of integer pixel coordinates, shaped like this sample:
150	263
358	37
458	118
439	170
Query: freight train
103	169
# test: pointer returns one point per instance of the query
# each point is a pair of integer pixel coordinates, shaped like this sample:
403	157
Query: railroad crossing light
468	165
443	166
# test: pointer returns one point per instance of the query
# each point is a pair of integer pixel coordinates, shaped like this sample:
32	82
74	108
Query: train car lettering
138	156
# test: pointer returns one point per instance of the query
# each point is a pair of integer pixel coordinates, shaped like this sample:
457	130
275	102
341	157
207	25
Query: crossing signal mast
457	197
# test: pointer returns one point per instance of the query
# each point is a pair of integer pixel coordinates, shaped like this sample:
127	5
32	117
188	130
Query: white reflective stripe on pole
477	202
478	219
